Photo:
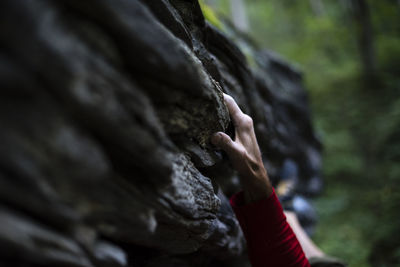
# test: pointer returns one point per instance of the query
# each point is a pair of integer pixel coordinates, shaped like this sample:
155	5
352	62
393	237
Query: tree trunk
365	38
239	16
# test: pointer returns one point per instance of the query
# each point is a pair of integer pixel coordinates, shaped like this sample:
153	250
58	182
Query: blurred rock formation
107	107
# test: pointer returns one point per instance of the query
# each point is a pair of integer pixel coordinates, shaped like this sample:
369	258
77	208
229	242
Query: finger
233	108
224	141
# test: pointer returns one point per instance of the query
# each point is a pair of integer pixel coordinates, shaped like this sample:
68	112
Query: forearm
270	240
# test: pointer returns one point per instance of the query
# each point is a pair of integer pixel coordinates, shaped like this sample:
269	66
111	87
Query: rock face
107	107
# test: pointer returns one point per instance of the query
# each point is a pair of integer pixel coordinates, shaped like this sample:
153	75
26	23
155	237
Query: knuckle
242	153
224	140
246	122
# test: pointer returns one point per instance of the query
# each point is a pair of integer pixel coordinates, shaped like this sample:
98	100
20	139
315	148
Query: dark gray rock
106	111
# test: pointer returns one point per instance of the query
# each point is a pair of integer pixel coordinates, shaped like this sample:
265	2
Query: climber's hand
244	153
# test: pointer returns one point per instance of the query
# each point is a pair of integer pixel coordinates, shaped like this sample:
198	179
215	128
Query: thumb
224	141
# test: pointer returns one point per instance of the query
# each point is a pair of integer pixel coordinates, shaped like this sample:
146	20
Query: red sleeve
270	240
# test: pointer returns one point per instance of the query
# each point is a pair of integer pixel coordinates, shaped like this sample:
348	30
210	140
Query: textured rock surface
106	110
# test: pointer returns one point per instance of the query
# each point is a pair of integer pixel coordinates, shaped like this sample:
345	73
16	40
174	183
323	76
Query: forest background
349	53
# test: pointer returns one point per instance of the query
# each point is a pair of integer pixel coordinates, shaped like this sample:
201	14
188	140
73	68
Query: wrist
256	187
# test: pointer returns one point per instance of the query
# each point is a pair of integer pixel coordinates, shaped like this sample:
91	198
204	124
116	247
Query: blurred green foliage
358	119
210	15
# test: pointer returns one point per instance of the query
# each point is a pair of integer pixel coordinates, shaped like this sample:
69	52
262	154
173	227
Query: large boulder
106	111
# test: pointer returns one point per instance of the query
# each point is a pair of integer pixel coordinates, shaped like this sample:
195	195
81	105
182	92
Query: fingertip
216	138
227	97
225	142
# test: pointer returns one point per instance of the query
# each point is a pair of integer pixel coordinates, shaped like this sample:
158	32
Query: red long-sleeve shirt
270	240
